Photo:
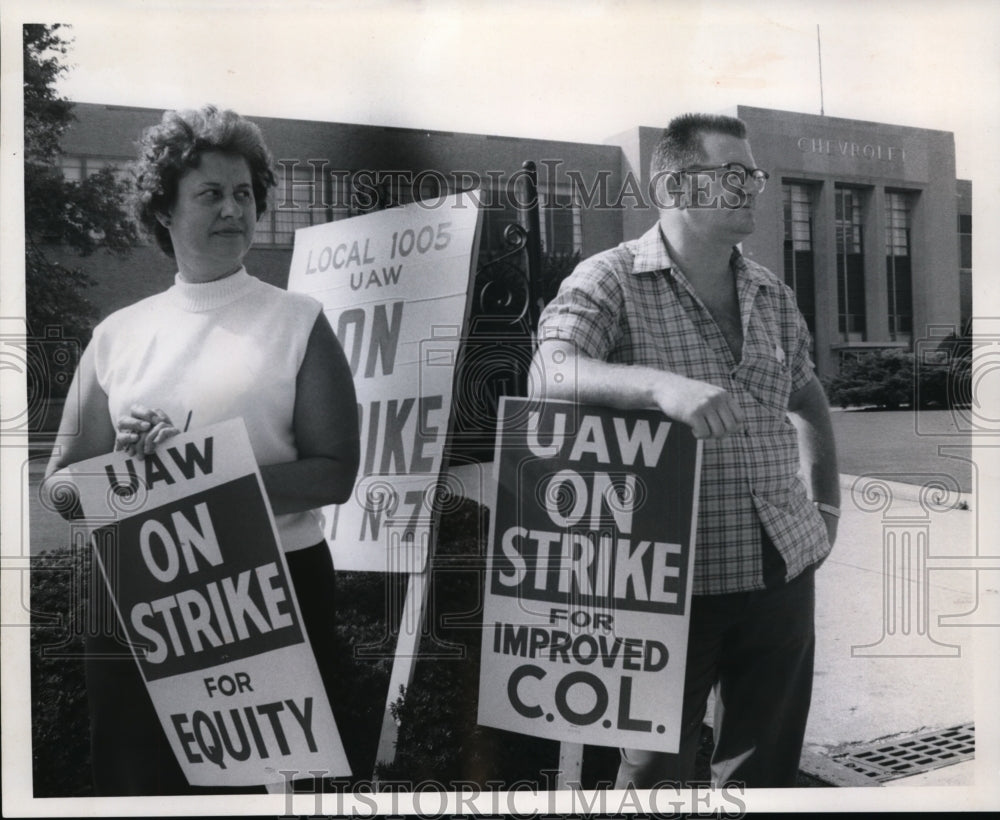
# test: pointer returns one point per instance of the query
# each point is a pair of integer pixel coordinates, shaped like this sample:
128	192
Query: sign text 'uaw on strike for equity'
203	591
590	571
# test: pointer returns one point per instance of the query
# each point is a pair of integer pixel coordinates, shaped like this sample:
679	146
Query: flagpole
819	52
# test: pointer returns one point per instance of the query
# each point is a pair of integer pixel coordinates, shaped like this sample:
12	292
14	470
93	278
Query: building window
307	194
76	168
965	265
965	241
72	168
423	187
897	266
800	273
850	265
561	223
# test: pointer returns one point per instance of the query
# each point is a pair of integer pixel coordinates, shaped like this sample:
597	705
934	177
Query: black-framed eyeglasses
735	172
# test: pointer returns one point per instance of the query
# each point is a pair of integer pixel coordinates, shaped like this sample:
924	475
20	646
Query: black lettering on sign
376	340
267	730
175	465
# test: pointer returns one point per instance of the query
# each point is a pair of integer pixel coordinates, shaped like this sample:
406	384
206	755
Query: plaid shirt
631	305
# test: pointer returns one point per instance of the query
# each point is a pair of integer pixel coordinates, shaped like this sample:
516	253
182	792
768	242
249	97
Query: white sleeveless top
217	350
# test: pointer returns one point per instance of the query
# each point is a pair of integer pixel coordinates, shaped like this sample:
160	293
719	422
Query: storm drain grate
913	754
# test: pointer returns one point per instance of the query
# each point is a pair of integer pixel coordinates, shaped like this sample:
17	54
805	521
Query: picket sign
589	577
396	286
188	546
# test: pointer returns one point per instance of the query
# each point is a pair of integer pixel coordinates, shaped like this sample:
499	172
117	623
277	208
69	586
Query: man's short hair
681	143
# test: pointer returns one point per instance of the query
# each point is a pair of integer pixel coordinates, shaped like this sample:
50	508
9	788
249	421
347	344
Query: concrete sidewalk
892	657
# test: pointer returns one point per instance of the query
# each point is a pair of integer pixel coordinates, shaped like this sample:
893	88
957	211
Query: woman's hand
143	430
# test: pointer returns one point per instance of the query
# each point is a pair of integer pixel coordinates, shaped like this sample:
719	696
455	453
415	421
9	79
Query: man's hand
817	449
710	411
142	431
831	522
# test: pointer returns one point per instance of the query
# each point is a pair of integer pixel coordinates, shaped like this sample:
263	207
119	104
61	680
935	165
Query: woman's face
213	217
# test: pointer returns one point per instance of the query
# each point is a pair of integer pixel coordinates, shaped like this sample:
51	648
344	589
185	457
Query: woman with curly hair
216	345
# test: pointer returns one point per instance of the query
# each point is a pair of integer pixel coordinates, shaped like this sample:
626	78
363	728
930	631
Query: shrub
883	378
366	641
956	349
59	723
439	738
891	379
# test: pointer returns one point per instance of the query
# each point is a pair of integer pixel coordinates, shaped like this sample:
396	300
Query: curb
832	773
906	491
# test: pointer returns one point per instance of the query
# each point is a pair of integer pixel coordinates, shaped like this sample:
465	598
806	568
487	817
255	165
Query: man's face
713	204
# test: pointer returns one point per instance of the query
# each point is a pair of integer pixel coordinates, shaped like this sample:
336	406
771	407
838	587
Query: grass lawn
902	443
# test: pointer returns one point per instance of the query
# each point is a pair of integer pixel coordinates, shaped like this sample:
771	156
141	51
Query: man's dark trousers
759	647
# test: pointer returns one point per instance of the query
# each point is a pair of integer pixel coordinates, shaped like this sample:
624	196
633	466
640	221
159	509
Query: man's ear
163	219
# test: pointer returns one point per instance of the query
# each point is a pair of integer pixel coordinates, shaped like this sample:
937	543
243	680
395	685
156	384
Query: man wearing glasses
680	321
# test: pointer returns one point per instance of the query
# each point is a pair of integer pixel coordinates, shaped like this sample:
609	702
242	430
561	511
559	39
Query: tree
58	213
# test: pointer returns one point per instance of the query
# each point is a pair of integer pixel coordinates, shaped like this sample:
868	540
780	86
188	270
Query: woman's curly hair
167	150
